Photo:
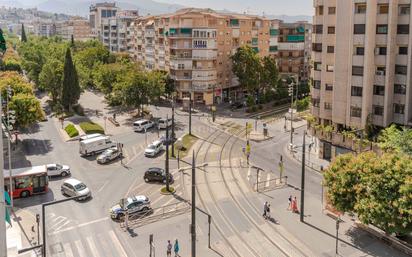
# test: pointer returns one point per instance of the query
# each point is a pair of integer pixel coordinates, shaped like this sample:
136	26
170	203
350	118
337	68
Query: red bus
27	181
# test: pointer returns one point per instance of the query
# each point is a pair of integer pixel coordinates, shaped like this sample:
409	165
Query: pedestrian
97	113
265	206
126	220
176	248
268	211
289	203
169	249
114	116
295	205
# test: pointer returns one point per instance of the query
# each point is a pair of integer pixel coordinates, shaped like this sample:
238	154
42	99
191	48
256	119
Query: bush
91	128
71	130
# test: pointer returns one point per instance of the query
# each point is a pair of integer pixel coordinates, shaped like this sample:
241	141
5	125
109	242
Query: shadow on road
33	146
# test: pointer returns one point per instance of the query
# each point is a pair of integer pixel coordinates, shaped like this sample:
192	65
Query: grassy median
187	142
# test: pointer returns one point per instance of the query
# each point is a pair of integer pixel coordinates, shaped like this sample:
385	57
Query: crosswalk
57	223
105	244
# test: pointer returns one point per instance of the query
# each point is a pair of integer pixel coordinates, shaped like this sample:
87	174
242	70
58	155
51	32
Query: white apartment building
362	63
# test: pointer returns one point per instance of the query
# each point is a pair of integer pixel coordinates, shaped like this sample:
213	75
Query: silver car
73	187
56	169
109	155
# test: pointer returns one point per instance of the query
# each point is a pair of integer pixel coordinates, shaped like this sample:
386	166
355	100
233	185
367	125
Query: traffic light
290	89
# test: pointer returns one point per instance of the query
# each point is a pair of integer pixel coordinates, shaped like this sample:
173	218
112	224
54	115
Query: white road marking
117	244
59	220
50	215
92	246
268	180
80	248
134	157
80	225
248	173
68	250
64	224
100	189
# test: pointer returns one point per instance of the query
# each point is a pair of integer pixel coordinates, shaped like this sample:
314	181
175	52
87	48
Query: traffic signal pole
193	225
302	187
167	157
291	115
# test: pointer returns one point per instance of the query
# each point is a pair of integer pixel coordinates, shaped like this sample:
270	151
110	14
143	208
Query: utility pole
291	85
167	157
173	126
337	235
3	243
193	225
213	105
302	187
190	114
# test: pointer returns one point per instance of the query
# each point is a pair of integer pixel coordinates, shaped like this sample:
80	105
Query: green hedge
71	130
91	128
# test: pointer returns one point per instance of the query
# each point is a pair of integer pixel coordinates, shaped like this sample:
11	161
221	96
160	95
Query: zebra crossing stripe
92	246
117	244
268	180
68	250
80	248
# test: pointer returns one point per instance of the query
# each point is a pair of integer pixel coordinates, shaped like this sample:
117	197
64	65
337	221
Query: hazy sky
289	7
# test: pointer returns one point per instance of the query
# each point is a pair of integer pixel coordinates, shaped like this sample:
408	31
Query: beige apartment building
195	46
362	62
79	28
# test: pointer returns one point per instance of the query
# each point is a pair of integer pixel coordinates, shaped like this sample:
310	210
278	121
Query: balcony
181	78
204	75
180	57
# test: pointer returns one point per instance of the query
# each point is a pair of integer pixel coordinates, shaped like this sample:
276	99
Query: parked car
89	136
73	187
139	203
142	125
157	175
95	145
109	155
236	105
56	169
164	123
154	148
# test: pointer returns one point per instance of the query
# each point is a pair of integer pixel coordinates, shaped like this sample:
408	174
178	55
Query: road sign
248	149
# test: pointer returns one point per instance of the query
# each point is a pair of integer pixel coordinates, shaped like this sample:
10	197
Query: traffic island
163	191
183	145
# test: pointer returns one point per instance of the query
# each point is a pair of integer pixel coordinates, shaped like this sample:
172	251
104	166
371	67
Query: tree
106	75
71	88
27	109
23	34
247	67
3	46
16	82
395	139
270	74
72	41
51	79
376	188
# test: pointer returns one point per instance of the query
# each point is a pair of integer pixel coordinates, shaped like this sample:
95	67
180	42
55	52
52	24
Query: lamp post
291	85
167	157
213	105
173	126
10	121
302	187
193	224
190	113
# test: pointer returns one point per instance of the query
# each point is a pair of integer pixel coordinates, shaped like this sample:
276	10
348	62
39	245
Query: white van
89	136
95	145
164	123
142	125
154	148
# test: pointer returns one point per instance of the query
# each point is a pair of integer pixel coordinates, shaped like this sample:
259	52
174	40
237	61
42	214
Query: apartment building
79	28
195	46
98	13
44	28
294	49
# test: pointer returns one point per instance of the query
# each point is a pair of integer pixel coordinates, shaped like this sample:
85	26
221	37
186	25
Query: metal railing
271	184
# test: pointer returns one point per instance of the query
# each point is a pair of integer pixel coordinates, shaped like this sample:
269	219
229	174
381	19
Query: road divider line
101	188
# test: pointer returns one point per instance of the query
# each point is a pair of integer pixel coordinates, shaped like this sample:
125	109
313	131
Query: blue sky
288	7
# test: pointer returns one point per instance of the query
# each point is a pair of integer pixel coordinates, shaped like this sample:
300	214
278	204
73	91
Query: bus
27	181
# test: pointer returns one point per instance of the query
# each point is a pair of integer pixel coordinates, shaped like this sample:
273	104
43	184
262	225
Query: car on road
55	169
109	155
157	175
164	123
142	125
73	187
154	148
134	204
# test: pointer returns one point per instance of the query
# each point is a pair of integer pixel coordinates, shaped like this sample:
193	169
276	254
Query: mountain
11	3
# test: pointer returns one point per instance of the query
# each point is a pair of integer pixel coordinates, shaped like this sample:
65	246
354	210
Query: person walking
176	248
268	211
169	249
289	203
295	205
265	206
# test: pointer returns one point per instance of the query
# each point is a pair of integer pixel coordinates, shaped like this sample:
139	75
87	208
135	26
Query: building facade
195	46
79	28
44	29
98	13
362	63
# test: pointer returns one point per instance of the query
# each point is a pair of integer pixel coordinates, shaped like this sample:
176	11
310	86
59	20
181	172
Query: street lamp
290	90
9	124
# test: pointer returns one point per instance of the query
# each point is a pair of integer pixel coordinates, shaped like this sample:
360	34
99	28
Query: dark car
157	175
236	105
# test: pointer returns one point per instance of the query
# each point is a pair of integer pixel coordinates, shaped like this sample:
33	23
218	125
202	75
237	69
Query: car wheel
145	209
64	174
24	194
146	179
120	216
164	181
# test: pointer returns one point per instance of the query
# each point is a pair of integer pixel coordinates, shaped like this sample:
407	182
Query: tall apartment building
98	13
362	63
294	49
44	28
195	46
79	28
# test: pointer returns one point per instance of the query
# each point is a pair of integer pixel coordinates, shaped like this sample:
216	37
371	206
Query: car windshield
80	187
151	147
122	202
59	167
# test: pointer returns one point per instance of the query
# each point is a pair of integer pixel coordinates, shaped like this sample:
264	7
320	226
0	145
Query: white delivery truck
95	145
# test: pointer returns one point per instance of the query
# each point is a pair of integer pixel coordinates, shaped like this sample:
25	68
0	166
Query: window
401	69
382	29
316	84
318	66
356	91
378	90
315	102
381	50
359	29
403	29
399	108
329	68
319	10
357	70
331	49
380	70
328	106
318	29
399	89
317	47
331	30
360	8
404	9
378	110
383	8
403	50
360	50
332	10
328	87
355	112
